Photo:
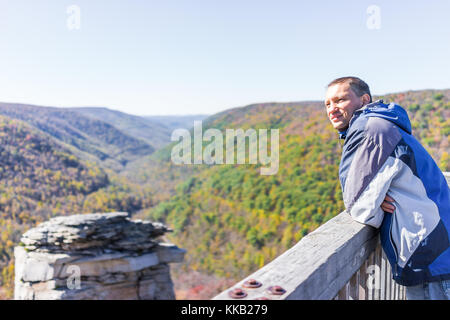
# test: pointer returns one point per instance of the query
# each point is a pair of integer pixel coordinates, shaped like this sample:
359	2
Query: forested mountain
153	131
89	138
230	218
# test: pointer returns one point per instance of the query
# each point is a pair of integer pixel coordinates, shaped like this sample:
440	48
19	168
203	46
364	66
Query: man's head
344	96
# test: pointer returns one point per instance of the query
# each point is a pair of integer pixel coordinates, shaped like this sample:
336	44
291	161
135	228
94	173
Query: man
389	181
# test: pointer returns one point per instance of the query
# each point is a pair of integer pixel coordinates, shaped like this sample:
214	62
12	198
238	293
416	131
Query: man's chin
339	126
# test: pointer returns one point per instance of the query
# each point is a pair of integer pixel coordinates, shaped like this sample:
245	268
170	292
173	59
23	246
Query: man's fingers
390	206
388	210
386	206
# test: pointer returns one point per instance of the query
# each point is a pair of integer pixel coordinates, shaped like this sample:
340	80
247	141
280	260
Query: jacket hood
392	112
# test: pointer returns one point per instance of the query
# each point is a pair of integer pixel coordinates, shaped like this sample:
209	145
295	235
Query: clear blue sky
187	57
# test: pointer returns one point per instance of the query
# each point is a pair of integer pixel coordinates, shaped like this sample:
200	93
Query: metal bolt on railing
237	293
276	290
252	283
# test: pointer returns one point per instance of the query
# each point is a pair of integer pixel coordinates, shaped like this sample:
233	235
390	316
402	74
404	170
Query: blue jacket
380	156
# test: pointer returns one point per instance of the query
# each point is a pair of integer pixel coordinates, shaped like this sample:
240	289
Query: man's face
341	103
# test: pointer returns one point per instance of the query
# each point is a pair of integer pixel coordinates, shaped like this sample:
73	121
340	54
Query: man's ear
365	99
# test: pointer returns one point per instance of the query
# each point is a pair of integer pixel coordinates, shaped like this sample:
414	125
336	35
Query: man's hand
387	204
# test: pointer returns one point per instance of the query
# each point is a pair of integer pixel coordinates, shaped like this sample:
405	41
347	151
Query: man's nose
332	109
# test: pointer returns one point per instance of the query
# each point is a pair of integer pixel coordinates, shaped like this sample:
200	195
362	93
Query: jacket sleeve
371	172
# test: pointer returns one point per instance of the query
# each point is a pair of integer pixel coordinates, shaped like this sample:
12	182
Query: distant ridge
154	133
176	122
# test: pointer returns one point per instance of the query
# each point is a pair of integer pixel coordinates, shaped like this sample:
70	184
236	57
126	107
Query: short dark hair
358	86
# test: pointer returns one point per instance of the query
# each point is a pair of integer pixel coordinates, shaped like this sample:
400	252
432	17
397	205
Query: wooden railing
342	260
373	281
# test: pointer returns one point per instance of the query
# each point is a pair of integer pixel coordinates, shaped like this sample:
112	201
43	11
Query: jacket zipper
393	246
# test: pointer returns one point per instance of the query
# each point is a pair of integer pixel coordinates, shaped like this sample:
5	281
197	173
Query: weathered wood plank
371	275
377	275
392	289
397	291
388	282
362	282
343	293
384	264
353	287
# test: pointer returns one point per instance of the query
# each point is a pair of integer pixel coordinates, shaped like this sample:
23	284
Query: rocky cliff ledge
95	256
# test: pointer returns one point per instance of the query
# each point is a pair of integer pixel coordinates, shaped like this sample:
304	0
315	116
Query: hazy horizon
202	114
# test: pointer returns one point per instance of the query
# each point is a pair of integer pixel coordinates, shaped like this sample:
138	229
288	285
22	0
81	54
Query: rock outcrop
95	256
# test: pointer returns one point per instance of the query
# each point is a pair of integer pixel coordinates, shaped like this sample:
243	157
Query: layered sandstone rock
95	256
